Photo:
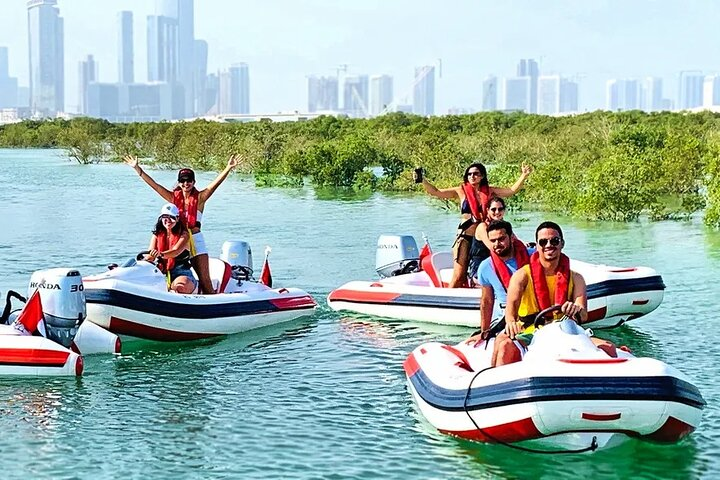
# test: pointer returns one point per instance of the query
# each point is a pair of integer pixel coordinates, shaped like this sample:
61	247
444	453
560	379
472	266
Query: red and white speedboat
566	394
615	294
24	354
133	301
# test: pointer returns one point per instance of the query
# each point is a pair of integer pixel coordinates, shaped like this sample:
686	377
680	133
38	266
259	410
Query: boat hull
35	356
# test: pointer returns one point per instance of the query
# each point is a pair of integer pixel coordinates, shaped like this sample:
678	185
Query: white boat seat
433	266
220	274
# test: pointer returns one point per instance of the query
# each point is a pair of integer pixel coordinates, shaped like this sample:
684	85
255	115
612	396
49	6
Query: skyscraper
181	14
322	93
529	68
381	93
8	84
240	88
490	93
548	95
652	94
87	74
622	95
46	47
424	91
690	89
711	91
201	59
355	96
126	63
162	51
517	93
569	95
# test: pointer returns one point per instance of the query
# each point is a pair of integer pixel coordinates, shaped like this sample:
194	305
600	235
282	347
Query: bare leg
505	351
201	264
461	254
183	284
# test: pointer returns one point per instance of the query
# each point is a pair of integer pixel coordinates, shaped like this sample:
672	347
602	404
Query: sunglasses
186	180
497	209
554	241
474	174
169	218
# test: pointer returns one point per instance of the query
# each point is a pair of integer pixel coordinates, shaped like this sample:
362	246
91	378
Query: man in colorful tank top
507	255
545	281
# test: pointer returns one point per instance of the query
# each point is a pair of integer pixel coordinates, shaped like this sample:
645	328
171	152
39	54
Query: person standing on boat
191	203
169	246
507	255
545	281
473	195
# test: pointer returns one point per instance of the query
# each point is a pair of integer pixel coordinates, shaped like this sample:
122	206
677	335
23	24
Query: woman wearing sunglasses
191	203
473	195
478	250
169	246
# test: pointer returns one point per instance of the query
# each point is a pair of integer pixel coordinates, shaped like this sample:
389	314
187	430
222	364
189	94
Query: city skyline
284	43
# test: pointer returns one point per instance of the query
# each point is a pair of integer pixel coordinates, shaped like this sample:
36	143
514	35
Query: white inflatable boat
133	301
24	354
615	294
565	395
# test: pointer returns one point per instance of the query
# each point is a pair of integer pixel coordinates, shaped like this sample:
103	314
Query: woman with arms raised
473	195
191	203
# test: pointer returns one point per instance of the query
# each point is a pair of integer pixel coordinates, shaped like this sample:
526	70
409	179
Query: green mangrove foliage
601	165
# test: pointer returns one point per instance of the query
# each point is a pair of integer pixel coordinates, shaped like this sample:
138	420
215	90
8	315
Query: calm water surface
321	397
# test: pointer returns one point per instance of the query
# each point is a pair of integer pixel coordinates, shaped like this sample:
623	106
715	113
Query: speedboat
133	300
411	289
25	354
565	395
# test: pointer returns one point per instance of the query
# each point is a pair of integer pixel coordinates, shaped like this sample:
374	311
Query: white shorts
199	241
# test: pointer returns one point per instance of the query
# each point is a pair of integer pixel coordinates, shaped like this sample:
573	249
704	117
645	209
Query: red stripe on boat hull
292	303
341	294
410	365
120	326
517	431
33	357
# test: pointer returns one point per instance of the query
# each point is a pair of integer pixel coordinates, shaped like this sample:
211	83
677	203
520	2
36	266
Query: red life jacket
189	214
521	258
477	200
163	244
562	281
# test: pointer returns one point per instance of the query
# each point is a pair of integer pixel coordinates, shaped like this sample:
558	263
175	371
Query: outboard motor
63	300
396	255
239	255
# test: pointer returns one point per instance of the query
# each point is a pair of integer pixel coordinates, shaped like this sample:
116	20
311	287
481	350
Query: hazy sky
283	41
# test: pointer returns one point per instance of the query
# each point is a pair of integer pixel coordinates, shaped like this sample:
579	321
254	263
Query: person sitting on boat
507	255
473	195
191	203
169	245
545	281
478	250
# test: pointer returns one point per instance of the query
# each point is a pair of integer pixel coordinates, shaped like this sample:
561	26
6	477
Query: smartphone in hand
418	175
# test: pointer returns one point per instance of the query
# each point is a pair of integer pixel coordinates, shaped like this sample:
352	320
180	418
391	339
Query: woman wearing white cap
169	246
191	203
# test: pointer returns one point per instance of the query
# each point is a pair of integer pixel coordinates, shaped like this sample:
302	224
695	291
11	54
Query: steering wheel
540	317
141	256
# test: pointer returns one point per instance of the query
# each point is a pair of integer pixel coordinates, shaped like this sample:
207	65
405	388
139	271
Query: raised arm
444	193
481	235
210	189
518	282
526	170
166	194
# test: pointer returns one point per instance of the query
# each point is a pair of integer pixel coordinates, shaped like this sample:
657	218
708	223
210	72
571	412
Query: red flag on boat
265	275
425	252
32	314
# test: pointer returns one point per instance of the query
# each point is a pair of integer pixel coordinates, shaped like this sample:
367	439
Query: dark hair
500	225
495	199
186	173
159	229
552	225
482	169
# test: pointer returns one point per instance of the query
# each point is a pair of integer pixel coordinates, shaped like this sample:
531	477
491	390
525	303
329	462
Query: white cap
170	209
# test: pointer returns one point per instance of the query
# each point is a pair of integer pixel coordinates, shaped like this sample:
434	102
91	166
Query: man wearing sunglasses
508	253
545	281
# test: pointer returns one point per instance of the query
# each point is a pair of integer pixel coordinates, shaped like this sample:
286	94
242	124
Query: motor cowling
63	300
396	255
239	255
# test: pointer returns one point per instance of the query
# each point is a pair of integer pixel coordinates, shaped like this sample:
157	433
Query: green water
321	397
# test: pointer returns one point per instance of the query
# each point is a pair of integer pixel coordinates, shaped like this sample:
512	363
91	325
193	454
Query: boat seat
220	274
434	264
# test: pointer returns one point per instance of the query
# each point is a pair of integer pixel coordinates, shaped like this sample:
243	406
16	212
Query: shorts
199	243
181	270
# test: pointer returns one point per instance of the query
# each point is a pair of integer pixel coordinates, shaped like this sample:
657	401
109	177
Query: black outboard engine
396	255
63	301
239	255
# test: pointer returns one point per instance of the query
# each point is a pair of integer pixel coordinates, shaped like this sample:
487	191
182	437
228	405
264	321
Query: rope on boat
591	448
